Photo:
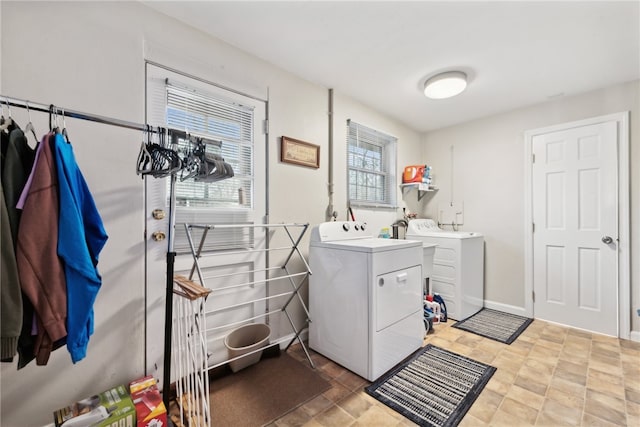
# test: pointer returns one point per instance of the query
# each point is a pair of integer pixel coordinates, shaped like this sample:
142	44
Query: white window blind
228	123
230	201
371	163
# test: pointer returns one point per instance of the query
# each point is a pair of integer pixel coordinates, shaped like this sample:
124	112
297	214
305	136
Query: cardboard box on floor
150	408
111	408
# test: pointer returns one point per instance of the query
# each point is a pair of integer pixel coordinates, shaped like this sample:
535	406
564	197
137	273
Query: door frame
624	288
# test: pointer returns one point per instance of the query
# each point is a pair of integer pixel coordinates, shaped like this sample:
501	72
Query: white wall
488	176
89	56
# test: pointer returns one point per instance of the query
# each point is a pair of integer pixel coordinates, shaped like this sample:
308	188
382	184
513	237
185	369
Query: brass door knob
157	214
158	236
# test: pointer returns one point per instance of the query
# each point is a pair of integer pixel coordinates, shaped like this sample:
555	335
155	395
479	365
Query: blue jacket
81	237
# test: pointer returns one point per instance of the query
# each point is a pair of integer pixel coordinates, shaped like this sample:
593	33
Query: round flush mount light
445	85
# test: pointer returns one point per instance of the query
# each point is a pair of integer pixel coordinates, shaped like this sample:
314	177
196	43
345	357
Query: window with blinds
371	163
231	126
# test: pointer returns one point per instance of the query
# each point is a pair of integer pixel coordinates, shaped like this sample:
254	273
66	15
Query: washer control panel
340	230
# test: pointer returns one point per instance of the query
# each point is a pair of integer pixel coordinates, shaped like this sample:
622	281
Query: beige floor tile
507	419
555	413
486	405
568	387
332	369
355	404
610	365
545	353
526	413
589	420
498	386
337	392
541	373
377	416
508	377
461	349
553	340
470	340
532	385
579	333
632	396
334	416
440	342
607	384
521	347
482	355
491	346
527	397
633	409
351	381
575	401
606	407
571	372
316	405
471	421
551	345
606	339
508	361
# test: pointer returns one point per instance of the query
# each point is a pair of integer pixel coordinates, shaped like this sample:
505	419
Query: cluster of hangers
54	126
160	156
5	123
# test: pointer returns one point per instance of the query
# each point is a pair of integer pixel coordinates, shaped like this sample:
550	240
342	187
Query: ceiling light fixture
445	85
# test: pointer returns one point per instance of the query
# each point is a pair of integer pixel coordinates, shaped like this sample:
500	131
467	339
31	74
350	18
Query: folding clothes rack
193	357
53	110
296	280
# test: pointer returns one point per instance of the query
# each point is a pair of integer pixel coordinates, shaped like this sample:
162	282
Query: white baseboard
521	311
511	309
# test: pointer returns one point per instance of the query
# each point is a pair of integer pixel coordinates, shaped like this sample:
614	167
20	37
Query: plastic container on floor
244	340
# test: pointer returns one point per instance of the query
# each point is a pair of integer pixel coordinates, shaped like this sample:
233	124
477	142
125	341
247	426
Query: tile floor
550	376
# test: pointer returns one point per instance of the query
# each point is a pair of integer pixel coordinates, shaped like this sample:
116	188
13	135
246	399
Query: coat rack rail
52	109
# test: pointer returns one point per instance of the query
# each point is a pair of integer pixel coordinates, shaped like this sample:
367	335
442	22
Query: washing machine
458	266
365	297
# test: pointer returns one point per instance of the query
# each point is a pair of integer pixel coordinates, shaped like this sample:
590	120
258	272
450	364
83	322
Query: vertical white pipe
329	213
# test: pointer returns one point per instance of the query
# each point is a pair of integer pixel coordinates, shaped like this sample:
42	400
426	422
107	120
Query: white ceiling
380	53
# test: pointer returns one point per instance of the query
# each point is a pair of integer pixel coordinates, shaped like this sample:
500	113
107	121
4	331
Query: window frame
372	169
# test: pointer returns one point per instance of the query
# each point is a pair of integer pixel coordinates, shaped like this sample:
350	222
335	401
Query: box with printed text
150	408
111	408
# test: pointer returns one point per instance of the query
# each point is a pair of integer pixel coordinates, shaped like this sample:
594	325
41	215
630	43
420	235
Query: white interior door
575	239
234	260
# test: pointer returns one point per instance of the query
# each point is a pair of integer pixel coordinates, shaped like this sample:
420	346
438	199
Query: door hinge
533	158
533	227
533	296
265	126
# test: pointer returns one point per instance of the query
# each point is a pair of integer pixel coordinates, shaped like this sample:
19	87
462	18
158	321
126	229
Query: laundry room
232	171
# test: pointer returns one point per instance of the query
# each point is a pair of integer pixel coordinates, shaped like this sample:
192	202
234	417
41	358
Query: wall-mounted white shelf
421	187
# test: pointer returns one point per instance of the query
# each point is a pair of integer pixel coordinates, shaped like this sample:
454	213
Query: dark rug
433	387
261	393
494	324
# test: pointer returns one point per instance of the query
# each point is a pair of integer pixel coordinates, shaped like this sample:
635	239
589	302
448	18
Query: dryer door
397	295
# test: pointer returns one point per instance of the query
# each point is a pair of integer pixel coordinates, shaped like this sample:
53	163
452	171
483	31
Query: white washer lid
373	244
445	235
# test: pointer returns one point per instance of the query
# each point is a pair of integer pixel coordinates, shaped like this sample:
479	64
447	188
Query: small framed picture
299	152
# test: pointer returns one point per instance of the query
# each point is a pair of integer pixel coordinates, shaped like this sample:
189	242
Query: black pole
168	319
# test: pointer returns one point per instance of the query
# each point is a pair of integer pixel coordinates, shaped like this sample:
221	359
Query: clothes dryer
365	298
